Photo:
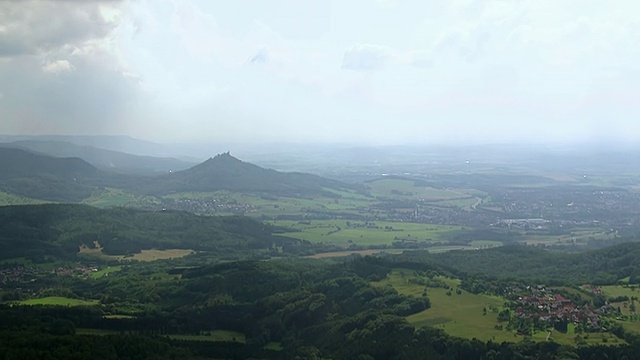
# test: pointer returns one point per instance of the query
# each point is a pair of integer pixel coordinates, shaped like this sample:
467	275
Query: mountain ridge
111	160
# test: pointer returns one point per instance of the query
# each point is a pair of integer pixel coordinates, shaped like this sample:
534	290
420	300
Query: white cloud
366	57
58	66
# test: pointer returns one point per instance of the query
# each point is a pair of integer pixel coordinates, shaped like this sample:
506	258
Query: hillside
104	159
44	177
225	172
603	266
58	230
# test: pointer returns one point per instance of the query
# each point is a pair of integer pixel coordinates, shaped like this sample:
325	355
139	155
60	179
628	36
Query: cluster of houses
206	206
78	271
551	308
22	274
18	274
536	223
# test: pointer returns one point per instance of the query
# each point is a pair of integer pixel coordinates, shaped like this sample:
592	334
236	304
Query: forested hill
44	177
58	230
604	266
20	163
225	172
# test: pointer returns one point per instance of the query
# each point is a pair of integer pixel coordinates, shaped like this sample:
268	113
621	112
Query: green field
115	197
621	290
338	232
58	301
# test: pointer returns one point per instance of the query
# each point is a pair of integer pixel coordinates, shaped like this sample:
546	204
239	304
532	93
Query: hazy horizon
361	72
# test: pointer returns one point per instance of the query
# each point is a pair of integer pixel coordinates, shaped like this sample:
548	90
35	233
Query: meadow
58	301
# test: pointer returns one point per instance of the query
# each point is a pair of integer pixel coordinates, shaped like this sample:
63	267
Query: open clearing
144	255
58	301
152	255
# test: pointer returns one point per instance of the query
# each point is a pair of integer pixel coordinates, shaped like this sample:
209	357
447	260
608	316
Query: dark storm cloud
59	73
32	27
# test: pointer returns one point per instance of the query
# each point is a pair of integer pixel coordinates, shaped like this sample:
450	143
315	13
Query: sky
354	71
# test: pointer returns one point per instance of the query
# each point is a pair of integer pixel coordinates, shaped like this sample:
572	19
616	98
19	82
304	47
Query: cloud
261	57
58	66
420	58
39	39
366	57
35	27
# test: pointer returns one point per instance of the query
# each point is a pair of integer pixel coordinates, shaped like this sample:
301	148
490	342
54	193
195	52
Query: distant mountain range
104	159
72	179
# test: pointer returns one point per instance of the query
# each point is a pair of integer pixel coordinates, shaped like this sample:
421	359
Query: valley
259	262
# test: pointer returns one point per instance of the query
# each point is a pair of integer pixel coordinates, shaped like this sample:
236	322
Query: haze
376	72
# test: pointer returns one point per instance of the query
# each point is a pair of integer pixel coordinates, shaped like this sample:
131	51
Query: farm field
115	197
346	233
58	301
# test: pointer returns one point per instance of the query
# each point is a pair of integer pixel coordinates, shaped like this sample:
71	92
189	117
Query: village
543	308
